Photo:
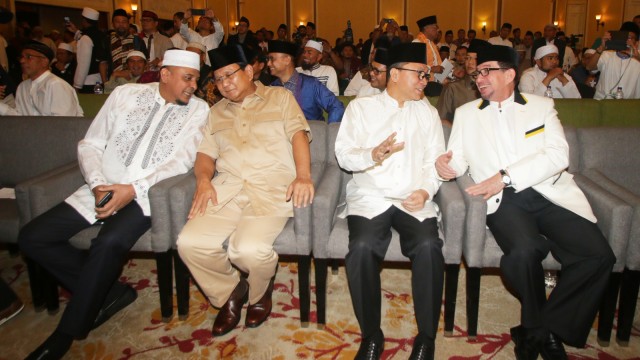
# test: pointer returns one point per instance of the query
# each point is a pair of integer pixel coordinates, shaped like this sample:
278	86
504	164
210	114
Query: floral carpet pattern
137	332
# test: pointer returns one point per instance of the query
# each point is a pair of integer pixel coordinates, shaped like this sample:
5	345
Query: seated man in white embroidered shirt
394	182
311	56
143	134
547	72
41	93
514	147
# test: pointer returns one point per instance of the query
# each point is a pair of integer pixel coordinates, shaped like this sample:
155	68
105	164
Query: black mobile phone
105	199
199	12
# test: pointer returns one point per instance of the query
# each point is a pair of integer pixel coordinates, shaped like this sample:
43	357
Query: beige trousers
250	249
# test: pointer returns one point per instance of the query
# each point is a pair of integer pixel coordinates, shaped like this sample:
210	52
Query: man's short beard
122	34
307	66
180	102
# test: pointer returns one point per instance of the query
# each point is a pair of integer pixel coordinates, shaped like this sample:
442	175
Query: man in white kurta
391	141
617	69
143	134
547	72
311	66
210	32
41	93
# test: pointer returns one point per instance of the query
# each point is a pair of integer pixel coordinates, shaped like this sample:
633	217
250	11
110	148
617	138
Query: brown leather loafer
229	315
259	312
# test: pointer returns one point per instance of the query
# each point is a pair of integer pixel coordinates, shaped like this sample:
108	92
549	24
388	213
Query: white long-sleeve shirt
47	95
366	123
82	77
531	82
211	41
137	138
325	74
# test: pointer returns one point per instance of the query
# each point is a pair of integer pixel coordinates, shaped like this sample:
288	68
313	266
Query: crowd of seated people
182	71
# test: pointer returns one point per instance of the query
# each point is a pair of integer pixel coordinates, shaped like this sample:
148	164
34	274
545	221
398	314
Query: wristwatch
506	179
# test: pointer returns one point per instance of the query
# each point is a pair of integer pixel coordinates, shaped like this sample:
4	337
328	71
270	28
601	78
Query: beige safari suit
251	144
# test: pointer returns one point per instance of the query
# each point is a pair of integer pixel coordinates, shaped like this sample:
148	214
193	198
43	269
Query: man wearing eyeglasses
257	140
377	74
547	72
514	147
311	95
41	93
390	142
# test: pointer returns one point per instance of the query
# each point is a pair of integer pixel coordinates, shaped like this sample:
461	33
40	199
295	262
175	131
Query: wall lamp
134	9
598	22
484	27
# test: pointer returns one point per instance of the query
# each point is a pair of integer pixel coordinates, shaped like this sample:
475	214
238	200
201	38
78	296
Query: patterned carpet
137	333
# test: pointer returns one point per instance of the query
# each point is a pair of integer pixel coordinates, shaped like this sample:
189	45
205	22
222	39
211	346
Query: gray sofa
480	249
39	157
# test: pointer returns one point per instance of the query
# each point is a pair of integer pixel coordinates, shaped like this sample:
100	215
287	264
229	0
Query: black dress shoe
371	348
552	348
422	350
229	315
525	349
53	348
128	296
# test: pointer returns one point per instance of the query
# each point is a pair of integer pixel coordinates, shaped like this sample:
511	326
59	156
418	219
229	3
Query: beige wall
264	13
527	15
301	11
333	15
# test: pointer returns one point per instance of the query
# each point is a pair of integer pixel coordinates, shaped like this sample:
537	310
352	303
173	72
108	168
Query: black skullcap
498	53
119	12
429	20
311	25
282	26
415	52
244	19
630	26
507	25
383	42
404	28
227	55
41	48
449	32
476	44
382	56
445	48
283	47
5	15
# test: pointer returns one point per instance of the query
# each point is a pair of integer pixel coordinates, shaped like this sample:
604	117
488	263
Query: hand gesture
205	192
123	194
210	14
442	166
487	188
301	191
386	148
416	200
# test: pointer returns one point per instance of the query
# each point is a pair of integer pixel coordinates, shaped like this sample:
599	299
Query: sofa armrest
180	197
451	204
324	208
23	196
475	232
613	213
162	238
49	192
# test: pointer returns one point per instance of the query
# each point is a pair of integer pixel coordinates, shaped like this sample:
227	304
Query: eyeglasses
421	74
30	56
222	78
376	71
484	72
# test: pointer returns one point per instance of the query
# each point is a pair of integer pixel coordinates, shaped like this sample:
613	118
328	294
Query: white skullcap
545	50
65	46
136	53
90	13
197	45
590	51
314	45
181	58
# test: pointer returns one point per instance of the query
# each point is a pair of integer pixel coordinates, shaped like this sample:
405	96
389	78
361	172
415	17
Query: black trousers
91	276
527	226
7	295
368	243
